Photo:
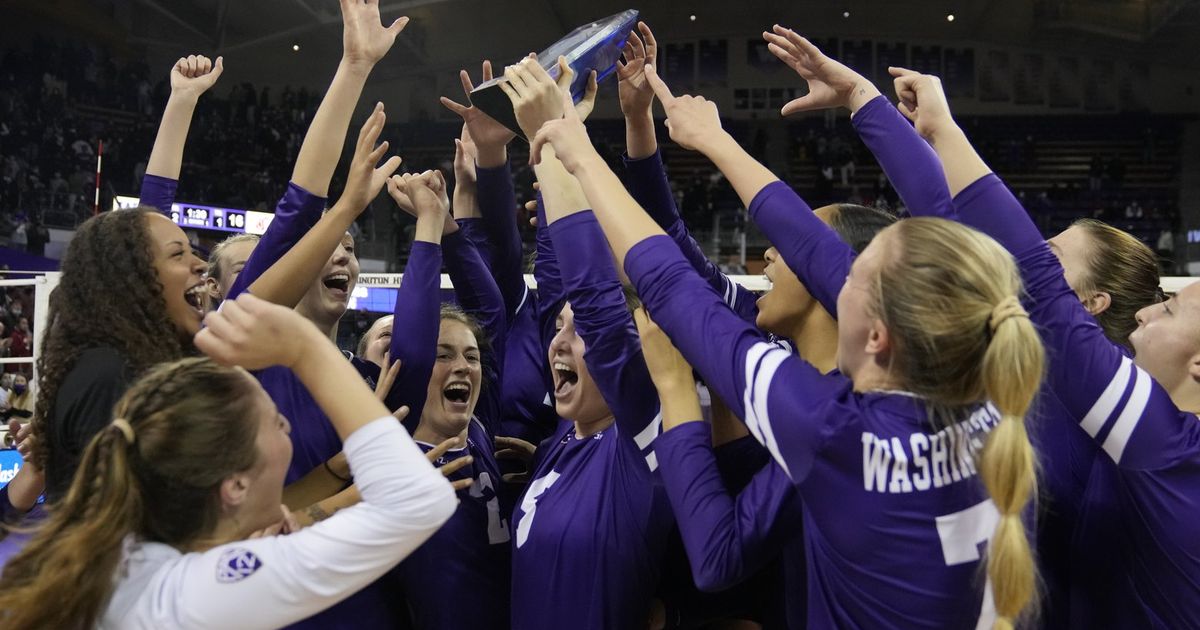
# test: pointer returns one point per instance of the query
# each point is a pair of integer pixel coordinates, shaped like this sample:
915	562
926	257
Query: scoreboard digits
191	215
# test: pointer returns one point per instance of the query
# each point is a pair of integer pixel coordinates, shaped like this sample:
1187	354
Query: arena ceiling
259	37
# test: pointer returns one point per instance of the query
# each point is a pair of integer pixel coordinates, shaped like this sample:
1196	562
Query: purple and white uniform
869	467
1135	556
1066	453
527	410
470	555
589	532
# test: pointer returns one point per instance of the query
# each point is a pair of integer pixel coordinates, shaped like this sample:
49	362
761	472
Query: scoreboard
194	215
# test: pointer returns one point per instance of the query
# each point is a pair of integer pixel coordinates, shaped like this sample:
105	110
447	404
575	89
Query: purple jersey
729	538
295	214
648	184
1065	452
908	161
870	467
158	192
590	529
527	411
1136	558
469	556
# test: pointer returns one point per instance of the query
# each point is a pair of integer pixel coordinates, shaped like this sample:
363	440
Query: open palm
483	128
364	38
632	88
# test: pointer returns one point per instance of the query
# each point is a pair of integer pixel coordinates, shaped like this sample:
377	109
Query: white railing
1170	284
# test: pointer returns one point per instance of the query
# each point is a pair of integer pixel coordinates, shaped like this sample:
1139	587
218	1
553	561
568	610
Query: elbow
439	505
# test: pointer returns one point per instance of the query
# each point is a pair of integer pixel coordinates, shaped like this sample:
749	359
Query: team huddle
930	422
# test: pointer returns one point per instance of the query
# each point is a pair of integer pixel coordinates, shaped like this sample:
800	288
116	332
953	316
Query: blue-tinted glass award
595	46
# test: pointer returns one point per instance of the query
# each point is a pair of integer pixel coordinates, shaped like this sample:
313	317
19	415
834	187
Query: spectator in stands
20	402
19	239
19	346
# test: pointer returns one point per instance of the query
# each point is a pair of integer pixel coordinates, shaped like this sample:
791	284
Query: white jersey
271	582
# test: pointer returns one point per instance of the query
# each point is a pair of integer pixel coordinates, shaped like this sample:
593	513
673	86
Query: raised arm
404	498
286	280
479	296
758	379
191	76
647	177
727	538
364	42
418	300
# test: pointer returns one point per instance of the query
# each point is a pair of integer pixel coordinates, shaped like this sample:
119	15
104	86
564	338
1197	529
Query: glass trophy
595	46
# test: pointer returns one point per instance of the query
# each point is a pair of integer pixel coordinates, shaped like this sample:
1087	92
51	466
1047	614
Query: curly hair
109	295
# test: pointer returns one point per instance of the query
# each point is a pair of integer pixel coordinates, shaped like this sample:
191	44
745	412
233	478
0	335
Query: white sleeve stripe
648	434
1107	402
730	292
652	461
753	356
757	389
524	298
1119	436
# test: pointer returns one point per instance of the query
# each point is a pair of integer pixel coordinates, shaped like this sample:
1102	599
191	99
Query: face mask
19	389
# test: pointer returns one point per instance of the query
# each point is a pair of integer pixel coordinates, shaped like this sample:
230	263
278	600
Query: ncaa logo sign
236	565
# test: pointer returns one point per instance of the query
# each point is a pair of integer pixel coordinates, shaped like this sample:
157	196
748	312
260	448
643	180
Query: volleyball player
590	528
1134	556
454	356
527	410
929	328
191	465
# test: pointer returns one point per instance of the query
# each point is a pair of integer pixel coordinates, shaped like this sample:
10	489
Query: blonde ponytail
1012	373
949	298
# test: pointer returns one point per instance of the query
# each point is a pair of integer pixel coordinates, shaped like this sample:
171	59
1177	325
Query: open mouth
458	396
566	378
195	298
338	284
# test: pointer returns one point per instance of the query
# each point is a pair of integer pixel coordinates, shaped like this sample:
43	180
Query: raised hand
692	120
364	180
633	90
23	439
365	40
255	334
421	195
484	130
534	94
387	378
587	104
923	101
830	84
464	158
195	74
449	468
567	136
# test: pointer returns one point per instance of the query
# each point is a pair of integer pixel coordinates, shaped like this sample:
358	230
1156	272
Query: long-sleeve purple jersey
1136	557
526	409
470	554
1065	452
590	529
729	538
648	184
158	192
895	515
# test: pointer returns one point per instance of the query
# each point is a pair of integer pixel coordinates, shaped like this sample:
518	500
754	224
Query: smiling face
576	395
329	295
264	480
180	272
453	389
784	308
1166	342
